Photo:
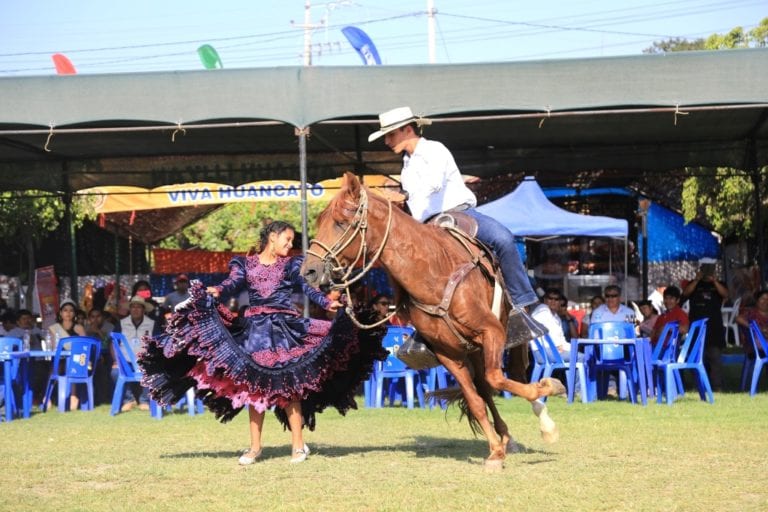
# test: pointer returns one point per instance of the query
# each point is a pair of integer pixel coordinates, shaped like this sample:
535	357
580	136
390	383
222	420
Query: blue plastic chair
611	357
393	369
78	369
691	357
760	344
128	372
436	378
9	344
664	352
553	360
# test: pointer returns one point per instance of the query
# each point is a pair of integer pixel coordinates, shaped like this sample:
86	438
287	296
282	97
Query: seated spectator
141	288
98	327
39	368
594	303
8	324
674	313
67	326
135	326
570	324
758	313
613	310
650	316
547	315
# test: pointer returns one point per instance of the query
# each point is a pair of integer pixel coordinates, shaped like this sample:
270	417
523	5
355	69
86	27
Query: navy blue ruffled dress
269	357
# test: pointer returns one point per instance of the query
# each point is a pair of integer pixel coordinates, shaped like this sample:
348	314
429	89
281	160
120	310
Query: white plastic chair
729	322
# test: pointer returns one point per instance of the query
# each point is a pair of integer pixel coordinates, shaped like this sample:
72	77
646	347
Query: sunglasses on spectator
611	295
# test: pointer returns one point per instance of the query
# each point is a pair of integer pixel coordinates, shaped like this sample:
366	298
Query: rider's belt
460	208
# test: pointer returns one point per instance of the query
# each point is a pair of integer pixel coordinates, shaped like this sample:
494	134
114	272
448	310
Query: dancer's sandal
300	455
249	457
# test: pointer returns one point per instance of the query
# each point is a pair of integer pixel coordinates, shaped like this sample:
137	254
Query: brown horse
358	228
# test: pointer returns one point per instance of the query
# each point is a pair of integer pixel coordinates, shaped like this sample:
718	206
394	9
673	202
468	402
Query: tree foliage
27	217
236	226
724	196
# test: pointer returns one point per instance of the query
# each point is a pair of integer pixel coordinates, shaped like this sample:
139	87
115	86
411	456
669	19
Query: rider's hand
393	195
334	306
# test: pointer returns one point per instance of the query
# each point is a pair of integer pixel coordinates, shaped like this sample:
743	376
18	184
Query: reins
332	264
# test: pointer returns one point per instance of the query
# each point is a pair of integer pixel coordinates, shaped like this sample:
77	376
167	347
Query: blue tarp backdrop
671	239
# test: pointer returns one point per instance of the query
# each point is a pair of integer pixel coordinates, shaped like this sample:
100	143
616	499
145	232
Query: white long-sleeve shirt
433	181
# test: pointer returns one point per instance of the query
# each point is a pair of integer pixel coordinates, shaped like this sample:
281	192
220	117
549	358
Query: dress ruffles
267	359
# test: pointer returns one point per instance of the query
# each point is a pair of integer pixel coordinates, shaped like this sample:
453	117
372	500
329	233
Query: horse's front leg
493	347
476	406
492	340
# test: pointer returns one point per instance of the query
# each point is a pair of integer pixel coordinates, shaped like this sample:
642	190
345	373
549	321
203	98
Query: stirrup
521	328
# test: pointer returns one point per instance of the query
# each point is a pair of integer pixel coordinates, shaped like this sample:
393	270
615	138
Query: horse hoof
551	436
514	447
493	464
552	387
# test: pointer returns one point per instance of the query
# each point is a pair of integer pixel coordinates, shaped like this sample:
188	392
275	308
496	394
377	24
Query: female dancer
271	356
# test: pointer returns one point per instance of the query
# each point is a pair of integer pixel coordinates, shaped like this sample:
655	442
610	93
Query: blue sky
114	36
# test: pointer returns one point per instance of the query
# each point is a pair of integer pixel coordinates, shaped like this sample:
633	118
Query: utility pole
431	11
308	28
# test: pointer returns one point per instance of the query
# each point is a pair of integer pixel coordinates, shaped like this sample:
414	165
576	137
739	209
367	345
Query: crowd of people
145	318
701	297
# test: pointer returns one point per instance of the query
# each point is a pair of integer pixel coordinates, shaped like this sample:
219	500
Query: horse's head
340	238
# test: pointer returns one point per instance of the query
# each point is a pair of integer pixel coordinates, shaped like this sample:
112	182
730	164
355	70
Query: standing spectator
674	313
134	326
613	310
657	297
705	296
180	293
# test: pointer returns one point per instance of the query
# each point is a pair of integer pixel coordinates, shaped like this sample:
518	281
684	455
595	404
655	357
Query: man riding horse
432	184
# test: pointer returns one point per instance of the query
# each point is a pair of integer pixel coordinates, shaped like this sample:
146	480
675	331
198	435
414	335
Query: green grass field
611	456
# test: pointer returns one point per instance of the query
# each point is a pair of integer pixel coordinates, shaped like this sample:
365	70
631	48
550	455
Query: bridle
332	265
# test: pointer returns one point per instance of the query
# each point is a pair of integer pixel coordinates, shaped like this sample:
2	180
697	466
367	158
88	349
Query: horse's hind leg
476	406
488	393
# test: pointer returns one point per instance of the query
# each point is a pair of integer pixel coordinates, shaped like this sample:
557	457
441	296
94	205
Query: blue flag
363	44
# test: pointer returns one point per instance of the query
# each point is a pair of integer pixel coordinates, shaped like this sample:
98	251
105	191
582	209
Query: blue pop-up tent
526	211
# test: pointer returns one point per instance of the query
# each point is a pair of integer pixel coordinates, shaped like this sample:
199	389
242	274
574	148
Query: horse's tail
455	396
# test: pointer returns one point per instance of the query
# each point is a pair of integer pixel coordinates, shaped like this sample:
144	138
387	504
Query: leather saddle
456	220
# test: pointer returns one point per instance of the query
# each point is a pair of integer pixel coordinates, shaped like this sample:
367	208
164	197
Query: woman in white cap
432	184
66	326
274	357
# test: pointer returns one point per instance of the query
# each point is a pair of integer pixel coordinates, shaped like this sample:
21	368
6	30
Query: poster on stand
46	295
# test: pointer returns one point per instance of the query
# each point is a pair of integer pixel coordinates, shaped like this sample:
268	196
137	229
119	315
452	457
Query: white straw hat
139	300
394	119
